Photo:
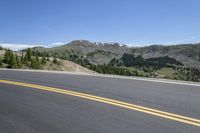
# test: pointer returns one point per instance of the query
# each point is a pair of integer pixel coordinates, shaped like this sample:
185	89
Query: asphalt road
28	110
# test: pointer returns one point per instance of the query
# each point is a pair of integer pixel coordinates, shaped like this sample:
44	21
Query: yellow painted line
163	114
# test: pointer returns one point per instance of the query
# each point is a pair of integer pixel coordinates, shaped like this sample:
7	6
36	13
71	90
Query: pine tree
55	61
36	57
7	56
37	62
48	57
1	62
22	58
29	54
33	64
43	60
13	62
199	57
25	60
19	64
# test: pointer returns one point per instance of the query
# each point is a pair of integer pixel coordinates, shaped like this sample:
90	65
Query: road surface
26	108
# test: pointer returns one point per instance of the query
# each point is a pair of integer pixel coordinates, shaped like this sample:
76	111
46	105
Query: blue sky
133	22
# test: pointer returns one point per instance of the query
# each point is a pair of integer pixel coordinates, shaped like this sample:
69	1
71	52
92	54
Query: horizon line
20	46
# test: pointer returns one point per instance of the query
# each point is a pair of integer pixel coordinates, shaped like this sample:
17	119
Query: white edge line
110	76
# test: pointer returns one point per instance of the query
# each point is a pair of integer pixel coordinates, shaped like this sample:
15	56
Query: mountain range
103	53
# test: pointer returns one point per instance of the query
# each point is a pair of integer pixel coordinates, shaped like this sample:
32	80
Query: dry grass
65	65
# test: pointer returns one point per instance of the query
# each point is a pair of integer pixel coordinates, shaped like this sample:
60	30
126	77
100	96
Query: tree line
130	60
129	65
28	58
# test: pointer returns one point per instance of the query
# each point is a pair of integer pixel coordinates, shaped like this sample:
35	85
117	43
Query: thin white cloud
17	47
56	44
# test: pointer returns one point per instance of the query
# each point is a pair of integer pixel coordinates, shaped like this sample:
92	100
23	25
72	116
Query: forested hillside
102	53
180	62
30	59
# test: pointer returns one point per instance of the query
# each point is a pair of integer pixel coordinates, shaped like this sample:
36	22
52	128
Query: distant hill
103	53
17	60
96	53
188	54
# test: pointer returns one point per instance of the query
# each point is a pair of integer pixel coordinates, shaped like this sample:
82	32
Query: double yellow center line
155	112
